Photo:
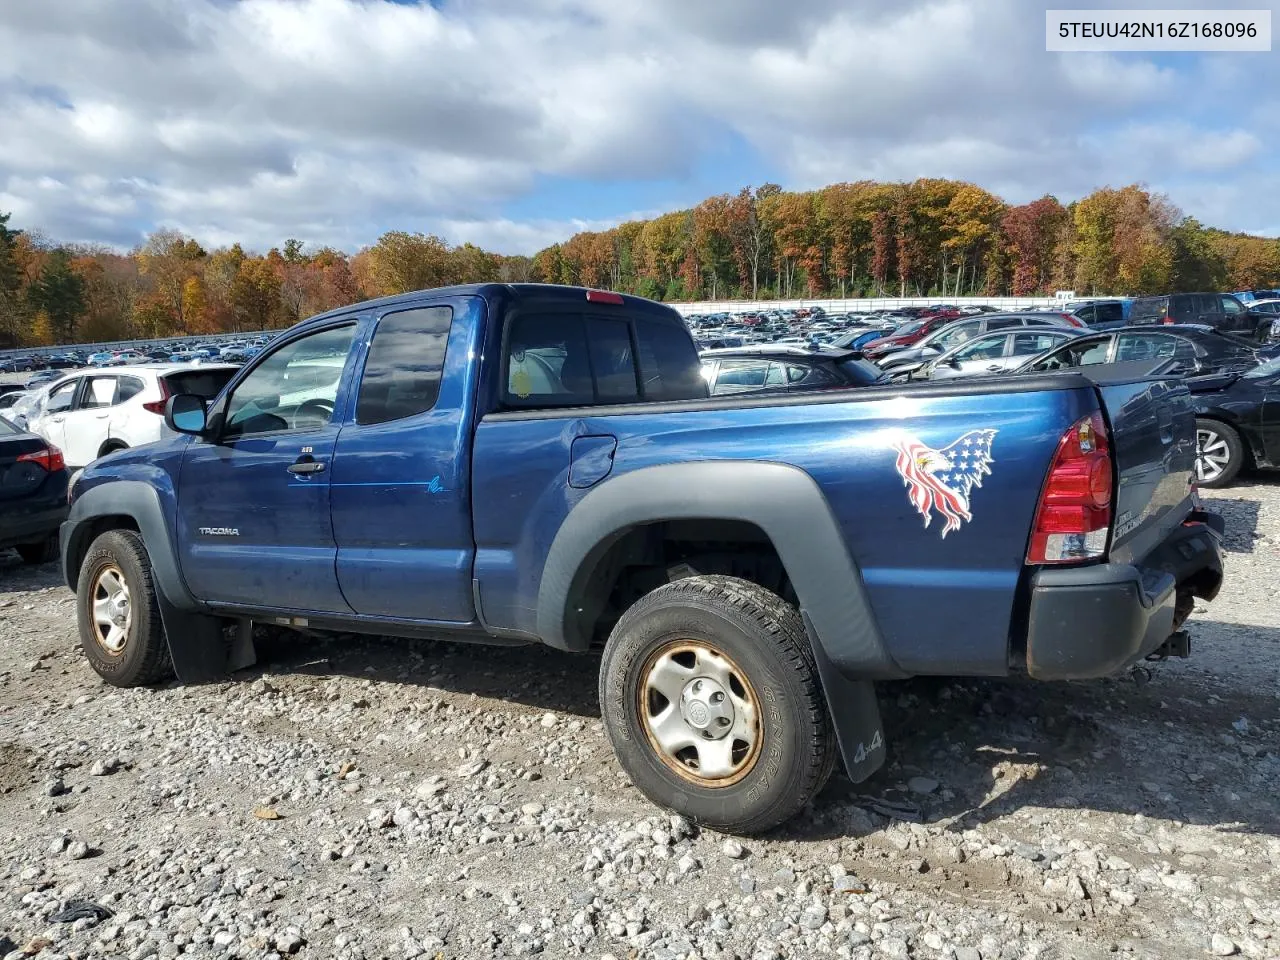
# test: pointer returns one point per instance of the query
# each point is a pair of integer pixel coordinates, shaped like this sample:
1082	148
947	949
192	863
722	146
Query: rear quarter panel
944	604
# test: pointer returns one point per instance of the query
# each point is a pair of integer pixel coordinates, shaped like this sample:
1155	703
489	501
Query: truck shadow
1174	747
1182	745
1171	747
1241	515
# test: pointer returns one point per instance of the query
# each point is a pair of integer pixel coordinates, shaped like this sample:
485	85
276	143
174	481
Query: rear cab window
562	358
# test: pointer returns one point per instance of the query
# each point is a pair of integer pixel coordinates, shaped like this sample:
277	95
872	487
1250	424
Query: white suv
94	412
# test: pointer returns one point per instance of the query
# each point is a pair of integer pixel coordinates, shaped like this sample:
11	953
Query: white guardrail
861	305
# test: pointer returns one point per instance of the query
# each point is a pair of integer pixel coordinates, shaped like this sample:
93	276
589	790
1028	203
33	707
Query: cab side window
295	388
406	359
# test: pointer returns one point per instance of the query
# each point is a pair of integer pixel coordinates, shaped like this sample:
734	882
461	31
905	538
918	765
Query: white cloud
335	120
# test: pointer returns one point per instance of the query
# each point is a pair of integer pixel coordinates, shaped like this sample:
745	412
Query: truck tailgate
1153	433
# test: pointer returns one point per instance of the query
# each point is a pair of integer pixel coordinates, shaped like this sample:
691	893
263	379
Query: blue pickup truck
514	464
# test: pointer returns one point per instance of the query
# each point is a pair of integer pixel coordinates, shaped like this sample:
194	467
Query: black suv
1221	311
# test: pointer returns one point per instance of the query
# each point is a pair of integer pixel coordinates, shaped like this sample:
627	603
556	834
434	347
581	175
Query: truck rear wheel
712	702
119	617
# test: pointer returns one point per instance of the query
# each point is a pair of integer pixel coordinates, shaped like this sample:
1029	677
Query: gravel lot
368	798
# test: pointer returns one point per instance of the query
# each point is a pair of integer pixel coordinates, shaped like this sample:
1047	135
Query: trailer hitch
1178	644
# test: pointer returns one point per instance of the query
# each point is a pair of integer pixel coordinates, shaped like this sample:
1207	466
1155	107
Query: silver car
997	352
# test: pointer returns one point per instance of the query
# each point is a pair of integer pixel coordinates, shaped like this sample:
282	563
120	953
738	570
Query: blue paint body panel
415	518
847	448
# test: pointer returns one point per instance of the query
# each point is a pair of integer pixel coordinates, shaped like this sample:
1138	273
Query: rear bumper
1094	621
32	520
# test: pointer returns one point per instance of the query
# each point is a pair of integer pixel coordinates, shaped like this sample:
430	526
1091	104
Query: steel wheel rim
1213	456
112	610
700	713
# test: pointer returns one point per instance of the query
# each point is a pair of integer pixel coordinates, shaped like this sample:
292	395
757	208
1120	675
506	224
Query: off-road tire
46	551
144	658
765	637
1237	455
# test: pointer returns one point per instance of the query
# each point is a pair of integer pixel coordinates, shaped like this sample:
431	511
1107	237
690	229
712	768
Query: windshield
1272	366
911	327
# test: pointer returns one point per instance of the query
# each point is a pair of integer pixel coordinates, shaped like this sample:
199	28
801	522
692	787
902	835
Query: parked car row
1216	353
236	351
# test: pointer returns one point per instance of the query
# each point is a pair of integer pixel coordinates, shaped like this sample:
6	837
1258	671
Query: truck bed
945	587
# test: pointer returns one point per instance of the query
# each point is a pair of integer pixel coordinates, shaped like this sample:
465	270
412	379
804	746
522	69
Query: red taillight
604	296
1074	515
50	458
157	406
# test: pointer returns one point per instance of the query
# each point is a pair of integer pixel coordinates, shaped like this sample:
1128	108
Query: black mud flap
855	714
197	645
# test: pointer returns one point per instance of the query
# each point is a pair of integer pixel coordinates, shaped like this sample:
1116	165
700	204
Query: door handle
306	467
101	416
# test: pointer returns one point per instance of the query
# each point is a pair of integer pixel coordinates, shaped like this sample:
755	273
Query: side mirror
954	362
185	413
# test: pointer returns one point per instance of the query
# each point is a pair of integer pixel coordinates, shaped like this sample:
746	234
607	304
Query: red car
906	335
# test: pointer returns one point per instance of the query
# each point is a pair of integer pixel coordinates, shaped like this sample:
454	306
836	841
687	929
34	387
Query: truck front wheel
712	702
119	617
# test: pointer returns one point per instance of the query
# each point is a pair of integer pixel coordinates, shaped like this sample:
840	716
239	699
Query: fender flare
140	502
782	500
196	645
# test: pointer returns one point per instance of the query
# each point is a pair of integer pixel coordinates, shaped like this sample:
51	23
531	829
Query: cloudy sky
514	123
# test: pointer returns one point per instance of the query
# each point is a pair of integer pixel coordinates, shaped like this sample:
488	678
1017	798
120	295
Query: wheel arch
783	503
131	505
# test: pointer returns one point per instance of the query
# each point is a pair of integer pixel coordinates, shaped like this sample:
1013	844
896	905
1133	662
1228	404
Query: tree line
937	238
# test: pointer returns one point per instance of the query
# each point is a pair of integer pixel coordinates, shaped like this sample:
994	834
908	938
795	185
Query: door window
128	388
954	336
98	392
1003	323
1144	346
1027	343
1080	354
406	359
988	348
1230	306
802	376
738	376
295	388
1087	314
60	399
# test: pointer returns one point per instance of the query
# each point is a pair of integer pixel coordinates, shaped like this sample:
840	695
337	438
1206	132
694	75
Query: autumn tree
1030	233
12	309
400	262
58	294
168	259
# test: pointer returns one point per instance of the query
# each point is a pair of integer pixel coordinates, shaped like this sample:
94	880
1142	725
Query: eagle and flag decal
942	480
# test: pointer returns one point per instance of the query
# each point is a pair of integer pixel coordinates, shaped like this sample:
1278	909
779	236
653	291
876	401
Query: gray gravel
382	799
